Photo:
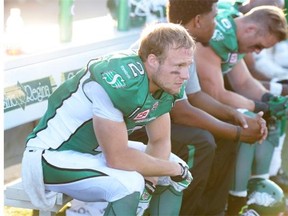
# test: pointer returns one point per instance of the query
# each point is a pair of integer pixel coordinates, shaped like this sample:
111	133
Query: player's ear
196	21
153	60
251	28
193	23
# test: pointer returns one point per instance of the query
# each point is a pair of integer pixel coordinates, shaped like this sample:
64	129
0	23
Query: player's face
205	26
255	43
172	72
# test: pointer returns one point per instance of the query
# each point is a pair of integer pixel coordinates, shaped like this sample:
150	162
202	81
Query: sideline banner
27	101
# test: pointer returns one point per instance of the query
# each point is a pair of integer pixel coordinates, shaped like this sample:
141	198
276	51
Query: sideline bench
15	196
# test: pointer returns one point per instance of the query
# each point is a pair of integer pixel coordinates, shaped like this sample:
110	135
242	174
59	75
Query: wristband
238	134
184	174
260	106
149	187
266	97
276	88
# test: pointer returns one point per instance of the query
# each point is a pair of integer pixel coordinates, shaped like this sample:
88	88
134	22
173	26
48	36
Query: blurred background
43	21
46	11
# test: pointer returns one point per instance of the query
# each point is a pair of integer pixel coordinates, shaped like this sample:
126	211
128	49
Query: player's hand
181	182
263	126
240	119
257	130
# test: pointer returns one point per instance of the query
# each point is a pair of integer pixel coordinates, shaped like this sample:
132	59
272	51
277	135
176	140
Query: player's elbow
113	161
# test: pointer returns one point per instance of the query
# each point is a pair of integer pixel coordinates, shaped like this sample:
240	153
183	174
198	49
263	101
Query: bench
15	196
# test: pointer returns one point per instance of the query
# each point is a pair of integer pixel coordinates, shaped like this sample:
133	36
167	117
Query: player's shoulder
124	66
123	76
224	38
225	27
123	58
114	60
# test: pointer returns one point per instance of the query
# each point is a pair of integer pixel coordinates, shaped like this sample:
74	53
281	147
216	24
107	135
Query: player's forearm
213	107
159	142
252	89
236	100
189	115
194	117
160	149
251	134
199	118
134	160
225	130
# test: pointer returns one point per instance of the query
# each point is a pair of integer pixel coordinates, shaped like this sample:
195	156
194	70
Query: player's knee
135	182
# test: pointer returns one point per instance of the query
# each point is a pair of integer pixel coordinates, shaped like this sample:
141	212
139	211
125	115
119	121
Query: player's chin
175	91
172	89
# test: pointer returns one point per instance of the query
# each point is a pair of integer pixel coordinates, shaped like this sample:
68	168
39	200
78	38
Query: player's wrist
180	169
266	97
261	106
182	175
150	187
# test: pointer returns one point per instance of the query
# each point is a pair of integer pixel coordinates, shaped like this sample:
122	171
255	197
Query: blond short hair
158	38
271	19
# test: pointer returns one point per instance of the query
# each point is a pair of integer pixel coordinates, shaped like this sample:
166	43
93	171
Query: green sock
165	201
123	207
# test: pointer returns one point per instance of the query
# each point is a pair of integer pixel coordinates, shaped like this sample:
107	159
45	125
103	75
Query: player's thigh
86	177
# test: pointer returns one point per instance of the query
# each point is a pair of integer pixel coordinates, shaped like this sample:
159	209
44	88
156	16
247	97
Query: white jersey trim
102	104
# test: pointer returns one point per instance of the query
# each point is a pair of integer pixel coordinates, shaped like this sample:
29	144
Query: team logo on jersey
142	115
114	79
233	58
217	35
155	105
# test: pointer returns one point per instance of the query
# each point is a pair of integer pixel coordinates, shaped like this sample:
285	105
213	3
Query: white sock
276	158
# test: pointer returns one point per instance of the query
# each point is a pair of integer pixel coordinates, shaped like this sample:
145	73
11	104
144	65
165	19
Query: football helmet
264	197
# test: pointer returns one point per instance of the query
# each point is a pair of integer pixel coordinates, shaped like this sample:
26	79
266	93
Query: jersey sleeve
224	42
192	85
102	106
224	38
124	78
